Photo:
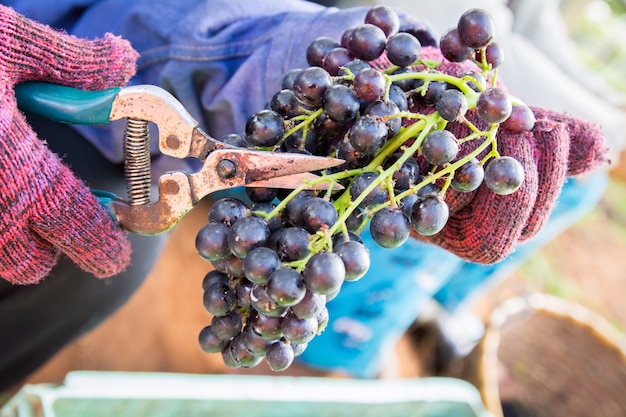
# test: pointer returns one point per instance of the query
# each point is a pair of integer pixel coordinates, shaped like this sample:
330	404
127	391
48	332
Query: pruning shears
224	166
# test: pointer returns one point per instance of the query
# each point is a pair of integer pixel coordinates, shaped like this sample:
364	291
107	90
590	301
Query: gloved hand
44	208
485	227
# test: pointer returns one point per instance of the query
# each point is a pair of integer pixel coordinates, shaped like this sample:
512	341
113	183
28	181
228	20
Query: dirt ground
157	329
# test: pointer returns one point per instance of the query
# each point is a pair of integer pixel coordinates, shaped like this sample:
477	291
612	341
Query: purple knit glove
44	208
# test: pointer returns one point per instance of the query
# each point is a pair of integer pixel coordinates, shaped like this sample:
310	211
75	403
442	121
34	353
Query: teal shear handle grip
66	104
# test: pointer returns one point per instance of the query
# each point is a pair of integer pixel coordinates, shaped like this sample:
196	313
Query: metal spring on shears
137	161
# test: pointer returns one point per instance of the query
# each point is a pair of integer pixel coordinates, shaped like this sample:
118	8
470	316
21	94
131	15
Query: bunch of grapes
375	100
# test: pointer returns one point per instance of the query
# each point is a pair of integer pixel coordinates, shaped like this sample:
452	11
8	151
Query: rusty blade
294	181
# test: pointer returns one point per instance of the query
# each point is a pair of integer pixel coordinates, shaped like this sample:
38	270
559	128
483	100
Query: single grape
266	326
430	188
327	128
227	210
476	28
317	50
318	214
504	175
228	358
324	273
340	103
405	176
405	84
298	348
433	91
475	80
302	140
452	47
322	319
397	96
285	287
389	227
429	215
368	134
253	341
468	176
262	303
385	18
353	158
297	330
440	147
355	257
310	84
265	128
386	110
241	354
494	105
292	244
310	305
293	209
335	59
355	220
286	104
279	356
212	241
494	55
243	288
452	105
343	237
246	234
406	204
219	299
210	342
522	119
227	326
403	49
259	264
355	66
212	277
360	183
234	140
289	77
233	266
369	84
275	222
367	42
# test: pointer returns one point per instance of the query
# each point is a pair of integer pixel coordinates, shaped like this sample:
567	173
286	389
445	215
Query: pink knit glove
44	208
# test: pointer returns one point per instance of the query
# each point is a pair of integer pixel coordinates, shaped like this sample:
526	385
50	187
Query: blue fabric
223	59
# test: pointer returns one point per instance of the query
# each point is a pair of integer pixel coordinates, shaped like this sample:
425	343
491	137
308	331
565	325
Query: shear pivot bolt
226	169
172	142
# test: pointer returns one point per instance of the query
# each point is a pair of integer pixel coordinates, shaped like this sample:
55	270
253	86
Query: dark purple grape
405	84
275	222
390	227
233	266
324	273
429	215
242	290
369	84
292	244
219	265
265	128
453	48
322	318
403	49
298	348
209	341
494	55
227	210
260	264
253	341
219	299
335	59
279	356
385	18
440	147
522	119
293	209
286	287
430	188
367	42
475	80
494	105
432	94
317	50
349	237
310	84
345	38
262	303
329	129
468	176
476	28
310	305
228	326
397	96
212	277
504	175
353	159
355	220
297	330
406	204
301	140
385	110
340	103
360	183
355	66
288	78
452	105
355	257
404	176
318	214
261	194
234	139
228	358
241	354
212	241
265	326
368	134
246	234
286	104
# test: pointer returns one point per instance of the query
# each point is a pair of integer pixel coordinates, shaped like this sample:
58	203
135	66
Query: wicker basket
543	356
